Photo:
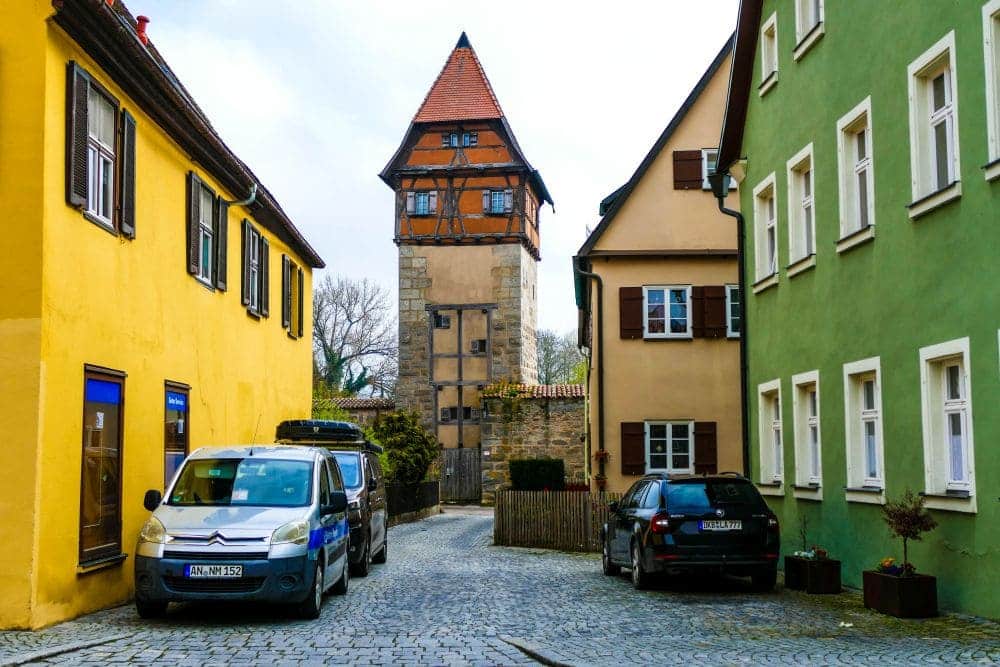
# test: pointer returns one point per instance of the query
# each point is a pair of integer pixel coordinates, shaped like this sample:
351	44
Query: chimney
140	28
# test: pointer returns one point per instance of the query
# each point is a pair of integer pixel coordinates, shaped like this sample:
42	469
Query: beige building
660	310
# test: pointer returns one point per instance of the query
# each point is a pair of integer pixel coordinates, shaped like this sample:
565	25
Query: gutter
600	357
720	189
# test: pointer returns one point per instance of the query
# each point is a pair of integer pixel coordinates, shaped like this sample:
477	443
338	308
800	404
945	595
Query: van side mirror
613	506
338	503
152	499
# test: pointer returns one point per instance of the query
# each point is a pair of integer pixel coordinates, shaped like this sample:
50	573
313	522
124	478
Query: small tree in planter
897	589
811	569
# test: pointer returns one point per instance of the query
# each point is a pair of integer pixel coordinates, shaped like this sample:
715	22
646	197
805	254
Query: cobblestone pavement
447	596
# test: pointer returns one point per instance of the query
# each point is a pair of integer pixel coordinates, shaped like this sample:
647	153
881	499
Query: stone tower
466	224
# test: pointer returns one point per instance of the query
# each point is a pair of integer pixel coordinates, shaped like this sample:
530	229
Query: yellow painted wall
699	379
22	66
130	306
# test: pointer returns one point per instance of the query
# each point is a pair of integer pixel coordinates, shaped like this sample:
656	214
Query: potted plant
795	565
896	589
822	573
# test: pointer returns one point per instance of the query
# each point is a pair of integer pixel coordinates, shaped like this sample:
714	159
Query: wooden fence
564	520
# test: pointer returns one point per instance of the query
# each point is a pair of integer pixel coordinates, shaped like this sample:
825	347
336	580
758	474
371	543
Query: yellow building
144	311
659	311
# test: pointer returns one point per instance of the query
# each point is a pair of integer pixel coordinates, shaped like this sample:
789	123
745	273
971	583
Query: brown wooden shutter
193	213
410	202
633	448
432	201
77	85
687	170
221	243
126	162
715	311
630	311
706	456
286	292
245	254
302	301
486	201
698	312
264	276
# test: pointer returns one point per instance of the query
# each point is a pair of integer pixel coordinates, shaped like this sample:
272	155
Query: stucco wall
535	428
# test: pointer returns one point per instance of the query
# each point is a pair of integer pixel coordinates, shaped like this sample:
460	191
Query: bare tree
557	356
354	336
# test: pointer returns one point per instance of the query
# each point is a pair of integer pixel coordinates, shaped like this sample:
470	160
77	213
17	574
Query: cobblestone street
447	596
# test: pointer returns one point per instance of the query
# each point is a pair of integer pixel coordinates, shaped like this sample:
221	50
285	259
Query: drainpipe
600	358
251	198
720	188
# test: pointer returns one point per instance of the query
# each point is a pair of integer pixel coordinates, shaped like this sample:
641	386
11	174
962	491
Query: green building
865	137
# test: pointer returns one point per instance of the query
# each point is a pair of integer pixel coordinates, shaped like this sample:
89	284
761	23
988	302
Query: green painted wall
918	283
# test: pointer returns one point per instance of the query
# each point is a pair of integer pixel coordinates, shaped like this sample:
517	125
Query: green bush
409	449
537	474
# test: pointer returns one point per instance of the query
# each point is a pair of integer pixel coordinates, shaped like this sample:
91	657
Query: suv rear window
697	497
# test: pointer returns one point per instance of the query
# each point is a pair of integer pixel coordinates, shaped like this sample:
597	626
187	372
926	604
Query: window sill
801	266
662	339
925	205
814	35
101	564
205	283
871	495
767	84
951	501
854	239
253	314
812	491
992	170
103	224
765	283
770	488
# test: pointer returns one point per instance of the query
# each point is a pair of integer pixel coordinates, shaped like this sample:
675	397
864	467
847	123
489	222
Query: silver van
264	523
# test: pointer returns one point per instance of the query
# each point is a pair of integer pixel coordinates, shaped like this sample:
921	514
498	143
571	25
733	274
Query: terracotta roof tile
461	91
354	403
536	390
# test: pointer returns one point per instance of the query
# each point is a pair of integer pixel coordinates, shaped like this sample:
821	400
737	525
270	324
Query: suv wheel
360	569
150	608
640	579
765	579
610	569
310	607
383	553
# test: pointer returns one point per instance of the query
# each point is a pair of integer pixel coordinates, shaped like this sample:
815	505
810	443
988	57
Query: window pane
941	158
496	201
100	533
654	311
772	258
656	326
869	394
658	461
807	183
776	409
175	434
422	203
954	382
655	296
808	229
658	446
939	91
682	462
871	454
770	208
812	403
107	182
678	325
863	198
205	270
956	445
861	143
679	430
680	446
205	208
814	450
658	431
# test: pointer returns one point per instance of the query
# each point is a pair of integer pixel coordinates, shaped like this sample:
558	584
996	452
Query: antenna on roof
463	42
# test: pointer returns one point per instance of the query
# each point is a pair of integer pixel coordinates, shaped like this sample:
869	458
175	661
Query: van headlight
293	532
153	531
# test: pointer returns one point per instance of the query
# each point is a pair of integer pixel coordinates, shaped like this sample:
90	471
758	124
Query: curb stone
41	654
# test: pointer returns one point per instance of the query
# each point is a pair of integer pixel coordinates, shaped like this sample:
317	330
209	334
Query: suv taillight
772	524
660	523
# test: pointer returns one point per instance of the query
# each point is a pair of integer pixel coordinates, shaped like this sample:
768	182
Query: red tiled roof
461	91
536	390
353	403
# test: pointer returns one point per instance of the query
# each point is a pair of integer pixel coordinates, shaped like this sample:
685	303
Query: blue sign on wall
176	401
101	391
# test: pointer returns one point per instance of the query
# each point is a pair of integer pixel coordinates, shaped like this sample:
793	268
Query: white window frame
101	156
801	174
768	54
808	33
991	51
666	311
765	265
860	486
855	121
705	171
927	195
771	438
730	290
671	469
206	234
808	455
935	407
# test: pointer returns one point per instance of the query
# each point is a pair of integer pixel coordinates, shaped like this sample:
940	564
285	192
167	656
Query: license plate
721	525
213	571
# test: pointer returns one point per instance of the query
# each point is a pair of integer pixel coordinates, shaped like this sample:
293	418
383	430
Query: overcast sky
315	97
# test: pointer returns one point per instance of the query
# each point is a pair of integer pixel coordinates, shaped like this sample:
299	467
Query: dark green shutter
77	85
286	293
221	243
302	300
193	214
262	272
127	165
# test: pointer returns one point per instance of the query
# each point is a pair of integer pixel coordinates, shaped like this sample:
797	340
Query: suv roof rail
730	473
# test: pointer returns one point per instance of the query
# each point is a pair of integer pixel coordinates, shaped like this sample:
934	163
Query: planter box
795	573
823	576
904	597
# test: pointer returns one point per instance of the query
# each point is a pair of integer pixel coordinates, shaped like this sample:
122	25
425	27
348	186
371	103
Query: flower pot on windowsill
795	572
822	576
912	596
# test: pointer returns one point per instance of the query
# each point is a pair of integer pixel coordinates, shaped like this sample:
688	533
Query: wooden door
460	475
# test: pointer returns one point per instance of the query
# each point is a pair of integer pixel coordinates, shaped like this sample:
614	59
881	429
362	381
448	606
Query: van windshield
249	481
350	468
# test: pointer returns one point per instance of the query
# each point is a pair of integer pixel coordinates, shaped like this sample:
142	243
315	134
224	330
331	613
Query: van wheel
360	569
310	607
383	553
340	588
150	608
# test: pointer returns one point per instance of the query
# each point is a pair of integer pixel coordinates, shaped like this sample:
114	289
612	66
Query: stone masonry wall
538	428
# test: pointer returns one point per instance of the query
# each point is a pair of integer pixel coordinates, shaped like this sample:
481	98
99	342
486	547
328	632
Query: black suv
363	481
692	523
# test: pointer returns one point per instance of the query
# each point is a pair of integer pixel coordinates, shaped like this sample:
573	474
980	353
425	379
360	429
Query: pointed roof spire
461	91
